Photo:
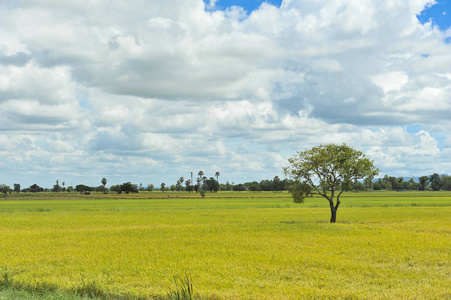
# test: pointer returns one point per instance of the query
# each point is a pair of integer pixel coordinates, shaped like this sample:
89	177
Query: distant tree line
199	184
276	184
434	182
203	184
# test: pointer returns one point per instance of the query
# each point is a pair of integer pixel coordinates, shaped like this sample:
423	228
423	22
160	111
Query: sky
150	92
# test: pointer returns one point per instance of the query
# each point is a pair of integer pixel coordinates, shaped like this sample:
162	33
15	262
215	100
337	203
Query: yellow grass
256	247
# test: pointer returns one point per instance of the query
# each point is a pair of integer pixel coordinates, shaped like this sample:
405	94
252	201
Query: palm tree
188	185
104	183
217	176
198	184
162	186
178	185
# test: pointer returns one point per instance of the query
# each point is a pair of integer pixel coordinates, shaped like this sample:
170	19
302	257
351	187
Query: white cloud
173	88
392	81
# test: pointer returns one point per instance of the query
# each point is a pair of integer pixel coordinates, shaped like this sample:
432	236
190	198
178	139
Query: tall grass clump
90	289
183	288
6	281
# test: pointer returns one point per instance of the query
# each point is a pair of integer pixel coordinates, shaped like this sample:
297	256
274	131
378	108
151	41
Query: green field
389	245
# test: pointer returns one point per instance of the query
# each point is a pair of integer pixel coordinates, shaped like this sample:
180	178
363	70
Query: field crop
393	245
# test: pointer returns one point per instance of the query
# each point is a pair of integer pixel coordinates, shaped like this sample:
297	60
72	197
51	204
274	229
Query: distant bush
126	187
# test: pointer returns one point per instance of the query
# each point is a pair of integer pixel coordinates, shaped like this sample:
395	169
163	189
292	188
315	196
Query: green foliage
239	187
101	188
80	188
435	181
212	185
128	187
391	183
17	188
104	182
357	186
226	187
56	188
446	183
300	191
423	183
4	189
253	186
179	185
327	170
36	188
116	188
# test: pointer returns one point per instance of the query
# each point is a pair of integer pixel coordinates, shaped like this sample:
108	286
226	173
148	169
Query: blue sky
152	91
439	14
248	6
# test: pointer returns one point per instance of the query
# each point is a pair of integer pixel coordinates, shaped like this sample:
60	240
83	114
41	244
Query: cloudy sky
150	91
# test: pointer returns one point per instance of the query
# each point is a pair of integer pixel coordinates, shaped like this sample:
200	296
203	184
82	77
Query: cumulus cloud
158	89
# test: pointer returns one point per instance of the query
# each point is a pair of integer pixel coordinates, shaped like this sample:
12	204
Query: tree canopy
4	189
328	171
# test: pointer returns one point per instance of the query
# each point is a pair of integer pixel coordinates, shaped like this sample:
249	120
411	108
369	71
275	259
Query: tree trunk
333	211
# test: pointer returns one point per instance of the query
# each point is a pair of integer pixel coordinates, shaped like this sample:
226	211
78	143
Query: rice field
234	245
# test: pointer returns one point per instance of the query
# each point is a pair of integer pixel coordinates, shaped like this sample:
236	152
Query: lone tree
104	181
128	187
217	174
17	188
328	171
